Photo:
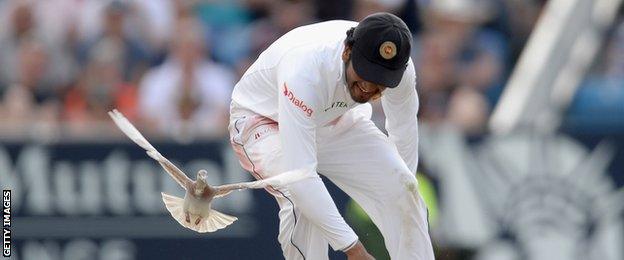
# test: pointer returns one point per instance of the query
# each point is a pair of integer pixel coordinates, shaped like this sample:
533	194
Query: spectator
101	88
457	52
521	23
188	94
27	102
135	55
283	17
24	24
156	18
226	24
468	111
436	70
20	27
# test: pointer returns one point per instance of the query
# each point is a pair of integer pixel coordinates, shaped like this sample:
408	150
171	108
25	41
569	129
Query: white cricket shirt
299	82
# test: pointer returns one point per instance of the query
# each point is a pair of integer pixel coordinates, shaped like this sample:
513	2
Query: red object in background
76	106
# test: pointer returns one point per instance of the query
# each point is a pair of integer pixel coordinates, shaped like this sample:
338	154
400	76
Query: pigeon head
202	176
201	182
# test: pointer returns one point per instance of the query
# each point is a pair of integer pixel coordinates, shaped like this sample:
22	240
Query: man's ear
346	53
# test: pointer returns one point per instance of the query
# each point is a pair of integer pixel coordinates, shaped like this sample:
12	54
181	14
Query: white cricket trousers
356	156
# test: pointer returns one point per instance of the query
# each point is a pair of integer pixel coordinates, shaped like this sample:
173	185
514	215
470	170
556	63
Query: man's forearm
358	252
312	198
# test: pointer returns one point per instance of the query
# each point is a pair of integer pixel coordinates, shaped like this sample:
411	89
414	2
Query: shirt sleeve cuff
349	246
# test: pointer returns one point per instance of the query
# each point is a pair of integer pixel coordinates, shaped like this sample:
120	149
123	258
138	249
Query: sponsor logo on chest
297	102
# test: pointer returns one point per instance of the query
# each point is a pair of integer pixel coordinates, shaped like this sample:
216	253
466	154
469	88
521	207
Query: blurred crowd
170	65
598	107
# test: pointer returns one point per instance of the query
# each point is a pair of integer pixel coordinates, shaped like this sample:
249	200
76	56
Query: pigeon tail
215	220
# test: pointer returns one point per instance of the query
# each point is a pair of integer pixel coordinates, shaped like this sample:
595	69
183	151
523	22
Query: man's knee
403	184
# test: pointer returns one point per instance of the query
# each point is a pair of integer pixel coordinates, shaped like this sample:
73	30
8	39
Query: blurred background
521	124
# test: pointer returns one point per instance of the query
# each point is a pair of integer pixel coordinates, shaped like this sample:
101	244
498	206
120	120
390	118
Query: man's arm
358	252
298	103
401	108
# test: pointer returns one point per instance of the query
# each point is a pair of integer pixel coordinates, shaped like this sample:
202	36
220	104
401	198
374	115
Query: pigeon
194	211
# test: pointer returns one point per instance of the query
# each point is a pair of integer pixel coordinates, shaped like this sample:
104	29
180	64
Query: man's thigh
257	144
365	164
362	158
255	141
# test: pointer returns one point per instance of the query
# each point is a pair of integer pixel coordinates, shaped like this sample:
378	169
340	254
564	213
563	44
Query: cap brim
376	73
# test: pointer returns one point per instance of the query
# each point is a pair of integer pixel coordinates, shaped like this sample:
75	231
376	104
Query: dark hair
349	40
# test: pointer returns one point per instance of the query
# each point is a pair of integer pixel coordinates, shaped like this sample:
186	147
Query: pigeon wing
276	181
127	128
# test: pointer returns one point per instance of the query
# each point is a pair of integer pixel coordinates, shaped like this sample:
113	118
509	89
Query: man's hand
358	252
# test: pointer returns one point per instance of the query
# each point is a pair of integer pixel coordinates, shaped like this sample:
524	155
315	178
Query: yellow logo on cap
388	50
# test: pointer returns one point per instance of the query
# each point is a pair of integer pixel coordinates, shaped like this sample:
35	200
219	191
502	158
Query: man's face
361	91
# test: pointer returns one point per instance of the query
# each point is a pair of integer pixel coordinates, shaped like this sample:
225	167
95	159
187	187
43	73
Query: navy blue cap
381	49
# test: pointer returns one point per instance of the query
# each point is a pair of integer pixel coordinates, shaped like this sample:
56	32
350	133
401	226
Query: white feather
215	220
277	181
127	128
122	122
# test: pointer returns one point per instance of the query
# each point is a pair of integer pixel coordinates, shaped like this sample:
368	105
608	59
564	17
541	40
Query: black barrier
102	201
